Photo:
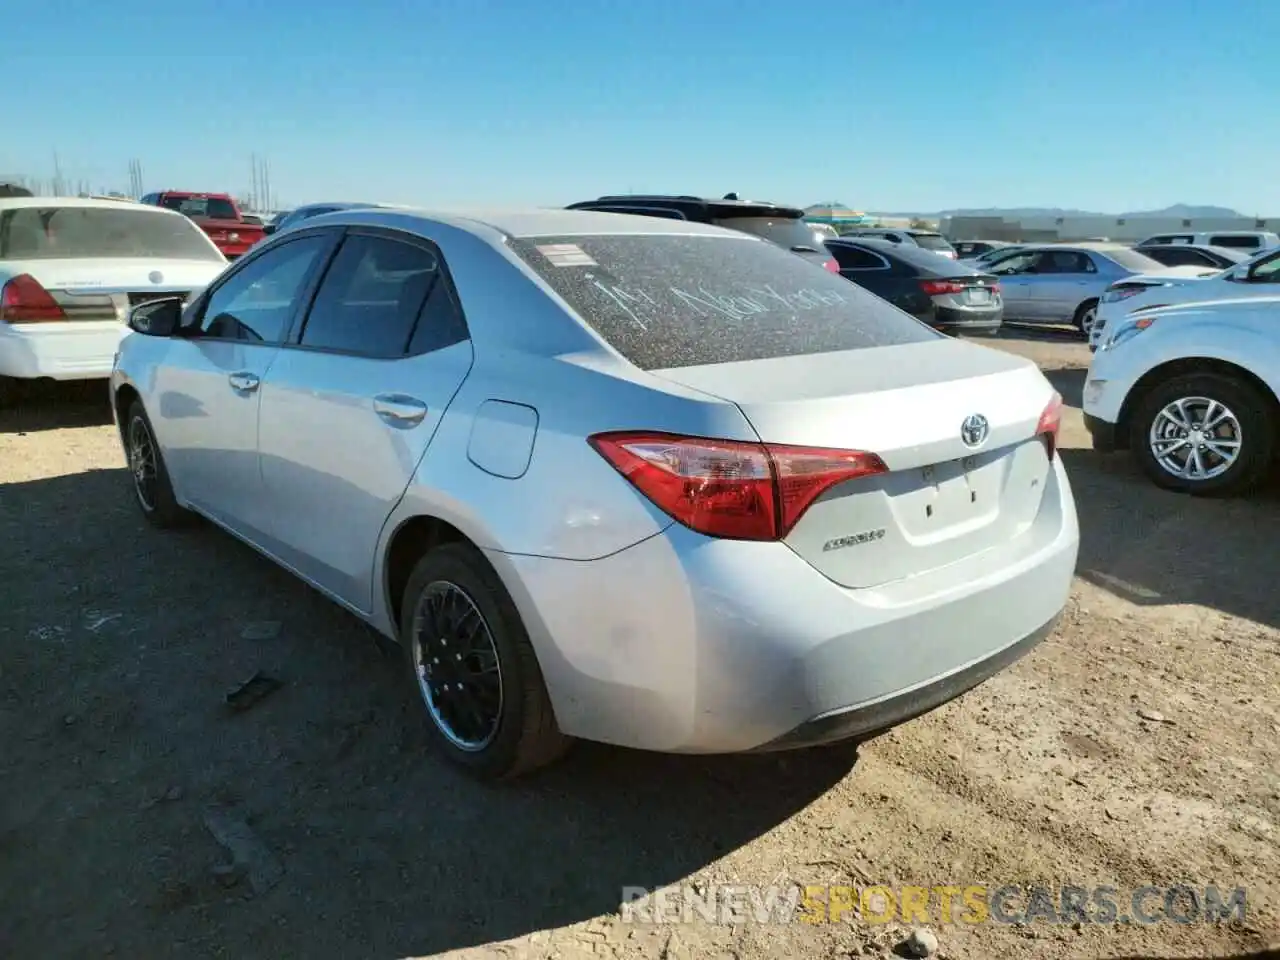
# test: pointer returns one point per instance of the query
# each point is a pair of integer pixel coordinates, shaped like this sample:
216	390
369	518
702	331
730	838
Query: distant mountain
1184	211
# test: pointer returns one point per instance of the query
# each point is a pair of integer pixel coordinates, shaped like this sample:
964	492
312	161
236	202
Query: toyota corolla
640	481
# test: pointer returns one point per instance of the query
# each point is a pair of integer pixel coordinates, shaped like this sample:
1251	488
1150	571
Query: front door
1017	284
351	403
1064	281
209	387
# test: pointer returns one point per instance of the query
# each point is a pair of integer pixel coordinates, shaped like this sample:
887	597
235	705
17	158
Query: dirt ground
1139	745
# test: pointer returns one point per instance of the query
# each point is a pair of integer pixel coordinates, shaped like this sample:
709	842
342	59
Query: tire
1086	316
523	735
155	499
1252	425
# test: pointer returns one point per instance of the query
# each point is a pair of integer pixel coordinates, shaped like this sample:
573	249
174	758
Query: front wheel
151	486
475	671
1204	434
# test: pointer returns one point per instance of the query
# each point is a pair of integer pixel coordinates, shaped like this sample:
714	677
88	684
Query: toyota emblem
974	430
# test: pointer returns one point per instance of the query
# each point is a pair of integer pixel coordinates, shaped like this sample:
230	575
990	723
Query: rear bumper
687	644
60	351
975	319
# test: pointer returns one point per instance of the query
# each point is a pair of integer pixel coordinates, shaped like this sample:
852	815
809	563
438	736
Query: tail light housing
935	287
831	266
1050	424
729	488
24	300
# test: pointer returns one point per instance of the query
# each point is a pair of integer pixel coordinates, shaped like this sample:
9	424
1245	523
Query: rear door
351	403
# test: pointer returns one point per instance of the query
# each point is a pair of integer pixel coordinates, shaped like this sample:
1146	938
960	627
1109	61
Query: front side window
1065	261
373	297
1015	263
1266	271
64	233
257	301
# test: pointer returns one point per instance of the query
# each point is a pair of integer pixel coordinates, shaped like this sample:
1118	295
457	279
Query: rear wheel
1086	316
472	664
151	486
1205	434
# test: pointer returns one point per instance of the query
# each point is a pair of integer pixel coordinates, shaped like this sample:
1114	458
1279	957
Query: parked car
972	249
774	222
1251	240
506	441
1256	277
306	212
70	269
1193	255
1193	392
217	214
927	239
1062	283
937	290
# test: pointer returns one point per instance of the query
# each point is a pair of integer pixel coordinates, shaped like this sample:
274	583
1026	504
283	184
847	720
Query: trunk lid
105	289
941	499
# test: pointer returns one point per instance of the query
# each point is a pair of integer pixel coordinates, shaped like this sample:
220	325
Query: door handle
397	408
244	382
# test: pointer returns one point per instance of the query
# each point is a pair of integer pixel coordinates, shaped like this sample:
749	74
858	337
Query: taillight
935	287
23	300
728	488
995	288
832	266
1050	423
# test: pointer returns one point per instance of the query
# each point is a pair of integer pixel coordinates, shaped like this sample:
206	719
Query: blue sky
883	104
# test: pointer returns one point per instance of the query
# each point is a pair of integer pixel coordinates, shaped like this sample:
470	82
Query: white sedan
1193	391
70	269
1257	277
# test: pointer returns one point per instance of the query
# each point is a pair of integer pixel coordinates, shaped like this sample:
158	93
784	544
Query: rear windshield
59	233
784	231
931	241
1245	242
211	208
1133	260
680	301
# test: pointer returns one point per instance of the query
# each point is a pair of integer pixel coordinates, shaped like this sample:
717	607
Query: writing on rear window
756	300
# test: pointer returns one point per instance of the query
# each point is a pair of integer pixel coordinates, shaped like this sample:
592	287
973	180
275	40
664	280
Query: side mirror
157	318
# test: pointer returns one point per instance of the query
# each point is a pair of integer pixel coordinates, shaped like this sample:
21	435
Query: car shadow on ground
1153	547
120	643
1268	954
36	407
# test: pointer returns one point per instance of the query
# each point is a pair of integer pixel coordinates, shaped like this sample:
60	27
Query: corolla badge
155	276
974	430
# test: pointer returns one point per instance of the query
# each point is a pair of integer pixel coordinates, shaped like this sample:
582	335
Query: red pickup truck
216	214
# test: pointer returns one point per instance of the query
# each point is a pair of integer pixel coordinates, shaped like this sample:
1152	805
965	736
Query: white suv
1193	391
1259	277
1237	239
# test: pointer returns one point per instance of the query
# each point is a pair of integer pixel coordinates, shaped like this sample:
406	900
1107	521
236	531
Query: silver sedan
642	481
1060	283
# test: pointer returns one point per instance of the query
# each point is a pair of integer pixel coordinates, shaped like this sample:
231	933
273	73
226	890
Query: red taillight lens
23	300
728	488
935	287
1050	423
832	266
995	288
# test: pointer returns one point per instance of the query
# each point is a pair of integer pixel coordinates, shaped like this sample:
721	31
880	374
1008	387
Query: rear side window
1236	242
371	298
856	258
1176	255
60	233
678	301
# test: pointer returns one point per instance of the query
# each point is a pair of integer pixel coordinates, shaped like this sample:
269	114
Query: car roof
12	203
909	253
531	222
709	206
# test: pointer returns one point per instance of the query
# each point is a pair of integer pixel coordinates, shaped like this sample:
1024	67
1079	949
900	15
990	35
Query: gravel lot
120	643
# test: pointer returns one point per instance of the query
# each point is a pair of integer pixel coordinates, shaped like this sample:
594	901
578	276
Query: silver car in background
636	480
1062	283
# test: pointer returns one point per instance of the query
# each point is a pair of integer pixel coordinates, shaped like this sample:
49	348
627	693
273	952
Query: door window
382	298
1266	271
1235	241
856	258
256	302
1064	261
1018	263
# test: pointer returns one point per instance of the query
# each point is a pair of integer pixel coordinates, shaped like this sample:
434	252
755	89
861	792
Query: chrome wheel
1195	438
142	463
456	662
